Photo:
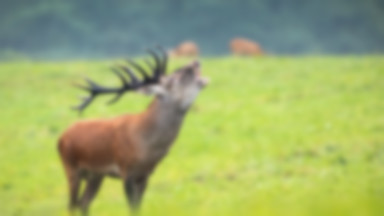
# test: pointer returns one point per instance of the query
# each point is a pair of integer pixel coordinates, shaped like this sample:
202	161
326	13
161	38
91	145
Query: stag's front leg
134	190
93	186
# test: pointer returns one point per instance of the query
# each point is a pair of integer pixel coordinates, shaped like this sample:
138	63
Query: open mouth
202	81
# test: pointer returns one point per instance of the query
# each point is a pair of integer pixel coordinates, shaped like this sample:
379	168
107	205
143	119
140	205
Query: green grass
269	136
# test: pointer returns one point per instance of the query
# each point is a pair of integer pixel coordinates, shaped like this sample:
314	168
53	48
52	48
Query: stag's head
178	89
181	87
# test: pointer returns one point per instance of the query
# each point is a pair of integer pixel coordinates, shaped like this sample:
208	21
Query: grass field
269	136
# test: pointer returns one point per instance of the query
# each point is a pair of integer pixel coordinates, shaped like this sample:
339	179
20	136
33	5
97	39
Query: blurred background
97	29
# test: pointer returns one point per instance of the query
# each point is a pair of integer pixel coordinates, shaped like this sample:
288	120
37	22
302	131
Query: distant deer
245	47
128	146
185	49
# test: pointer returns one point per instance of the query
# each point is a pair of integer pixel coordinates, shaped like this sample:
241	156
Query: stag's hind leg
93	186
74	180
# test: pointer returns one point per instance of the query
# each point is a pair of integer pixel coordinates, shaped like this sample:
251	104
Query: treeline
100	28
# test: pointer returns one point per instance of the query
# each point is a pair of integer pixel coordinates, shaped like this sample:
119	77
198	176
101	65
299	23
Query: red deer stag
245	47
128	146
185	49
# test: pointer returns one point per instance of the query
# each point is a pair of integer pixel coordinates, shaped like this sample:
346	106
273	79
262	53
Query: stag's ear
157	90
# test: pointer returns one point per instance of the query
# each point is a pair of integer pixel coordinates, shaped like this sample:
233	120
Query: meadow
269	136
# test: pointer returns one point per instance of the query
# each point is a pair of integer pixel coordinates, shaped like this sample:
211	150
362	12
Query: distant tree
89	28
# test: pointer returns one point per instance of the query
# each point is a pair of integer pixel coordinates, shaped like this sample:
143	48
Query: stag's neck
161	123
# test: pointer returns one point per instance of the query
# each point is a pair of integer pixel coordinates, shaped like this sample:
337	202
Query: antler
133	83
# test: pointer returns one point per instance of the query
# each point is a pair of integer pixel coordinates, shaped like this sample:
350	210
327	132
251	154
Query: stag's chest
154	146
153	150
156	138
147	159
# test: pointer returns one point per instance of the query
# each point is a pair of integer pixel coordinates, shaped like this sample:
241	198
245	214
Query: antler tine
85	103
126	85
140	70
85	100
165	59
91	83
157	70
134	80
80	86
94	87
116	98
121	77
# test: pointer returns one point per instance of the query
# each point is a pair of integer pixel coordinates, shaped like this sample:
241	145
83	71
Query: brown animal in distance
245	47
128	146
185	49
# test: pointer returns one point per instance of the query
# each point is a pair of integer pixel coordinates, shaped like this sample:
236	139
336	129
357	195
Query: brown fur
242	46
96	142
185	49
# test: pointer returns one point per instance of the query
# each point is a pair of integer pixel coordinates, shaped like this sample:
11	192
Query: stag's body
142	140
128	146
